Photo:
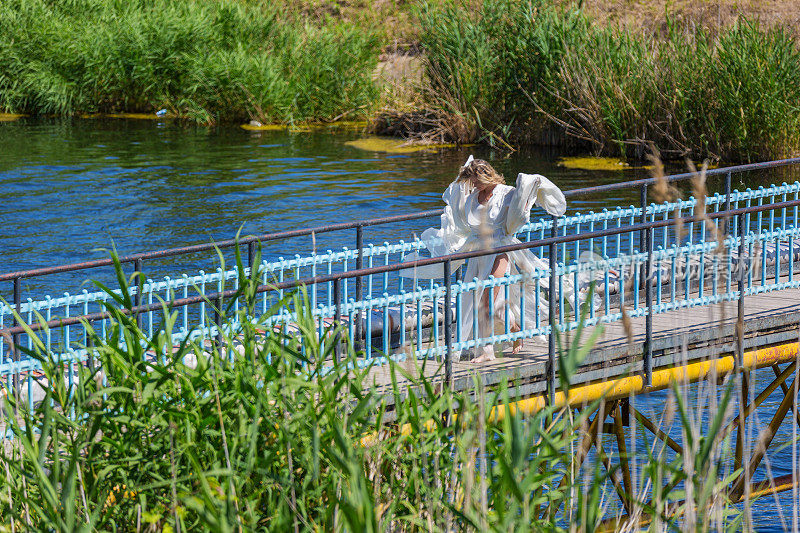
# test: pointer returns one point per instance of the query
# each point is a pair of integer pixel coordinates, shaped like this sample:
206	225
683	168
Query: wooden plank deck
681	335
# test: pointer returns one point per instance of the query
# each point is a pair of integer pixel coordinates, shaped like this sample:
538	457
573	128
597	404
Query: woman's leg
499	269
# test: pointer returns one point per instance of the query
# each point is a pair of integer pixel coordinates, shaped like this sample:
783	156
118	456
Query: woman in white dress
482	212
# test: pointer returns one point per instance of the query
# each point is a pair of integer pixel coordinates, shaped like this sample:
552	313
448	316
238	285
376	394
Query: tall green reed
533	72
210	61
156	433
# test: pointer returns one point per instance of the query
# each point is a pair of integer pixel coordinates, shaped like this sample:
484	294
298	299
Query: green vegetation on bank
529	72
500	72
210	61
267	440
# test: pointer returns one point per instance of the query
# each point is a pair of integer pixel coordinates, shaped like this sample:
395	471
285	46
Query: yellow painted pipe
625	386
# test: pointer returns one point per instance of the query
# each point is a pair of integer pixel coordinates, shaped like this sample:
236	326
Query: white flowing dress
467	225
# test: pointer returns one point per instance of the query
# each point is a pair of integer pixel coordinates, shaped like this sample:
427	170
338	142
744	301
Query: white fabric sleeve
533	189
444	240
453	233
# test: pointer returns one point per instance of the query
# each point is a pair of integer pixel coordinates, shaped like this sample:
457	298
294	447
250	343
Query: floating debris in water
593	163
393	146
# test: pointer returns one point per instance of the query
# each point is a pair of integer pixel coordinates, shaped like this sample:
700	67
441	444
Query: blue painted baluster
401	280
329	272
636	275
386	262
750	242
475	311
673	275
576	300
560	273
203	303
660	264
371	265
351	322
368	328
687	275
435	302
67	307
763	243
522	327
622	265
541	236
150	284
606	287
489	340
418	302
403	318
48	317
702	265
386	329
345	268
794	232
220	288
29	379
631	221
507	297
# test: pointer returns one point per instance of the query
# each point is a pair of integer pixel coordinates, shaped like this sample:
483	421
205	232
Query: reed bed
220	61
499	72
269	440
533	72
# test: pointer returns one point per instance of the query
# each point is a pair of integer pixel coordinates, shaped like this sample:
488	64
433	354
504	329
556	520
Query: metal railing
741	241
555	276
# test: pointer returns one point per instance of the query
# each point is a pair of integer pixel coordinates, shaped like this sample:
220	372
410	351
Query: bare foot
485	357
517	346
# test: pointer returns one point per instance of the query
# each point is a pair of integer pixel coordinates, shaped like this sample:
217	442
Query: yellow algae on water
138	116
593	163
393	146
308	127
348	125
265	127
10	117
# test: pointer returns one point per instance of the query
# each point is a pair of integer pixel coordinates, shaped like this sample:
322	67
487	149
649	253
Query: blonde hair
480	174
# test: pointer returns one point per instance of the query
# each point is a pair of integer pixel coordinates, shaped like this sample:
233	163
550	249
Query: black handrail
316	280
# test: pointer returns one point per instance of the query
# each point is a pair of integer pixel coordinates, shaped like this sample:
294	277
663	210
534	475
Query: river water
71	189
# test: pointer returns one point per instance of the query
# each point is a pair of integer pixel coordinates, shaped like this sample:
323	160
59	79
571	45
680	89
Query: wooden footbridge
672	290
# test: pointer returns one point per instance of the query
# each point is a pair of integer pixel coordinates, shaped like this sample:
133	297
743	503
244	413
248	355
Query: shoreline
500	74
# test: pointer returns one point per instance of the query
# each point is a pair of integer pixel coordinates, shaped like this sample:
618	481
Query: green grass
211	61
268	441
